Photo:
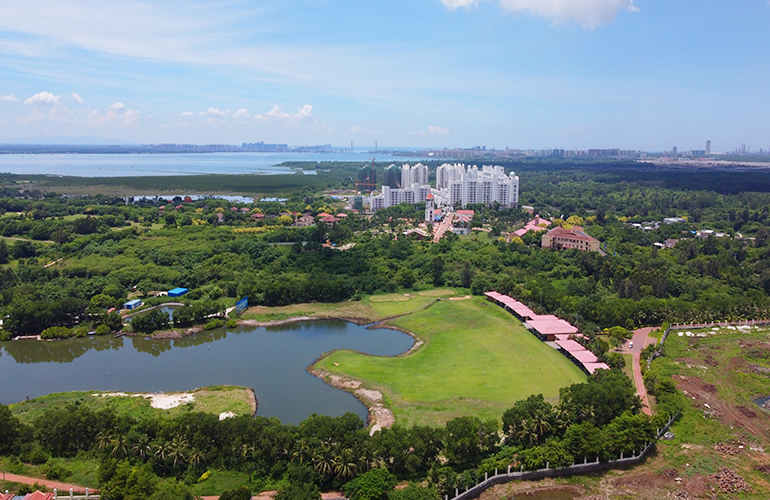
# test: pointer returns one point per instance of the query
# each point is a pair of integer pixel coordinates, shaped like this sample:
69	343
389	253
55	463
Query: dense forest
110	248
596	419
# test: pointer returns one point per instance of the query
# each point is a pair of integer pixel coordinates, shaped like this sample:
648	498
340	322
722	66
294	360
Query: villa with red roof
558	238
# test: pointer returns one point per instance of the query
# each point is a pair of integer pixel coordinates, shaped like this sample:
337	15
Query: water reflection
272	361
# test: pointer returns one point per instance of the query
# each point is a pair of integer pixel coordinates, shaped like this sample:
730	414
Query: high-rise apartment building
708	148
488	185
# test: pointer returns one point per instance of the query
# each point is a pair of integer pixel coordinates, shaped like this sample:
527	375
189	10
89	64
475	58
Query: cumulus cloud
117	106
9	98
44	98
241	113
304	113
34	117
216	112
112	117
77	98
587	13
187	113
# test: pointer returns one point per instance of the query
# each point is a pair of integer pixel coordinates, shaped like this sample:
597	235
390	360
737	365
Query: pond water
272	361
166	309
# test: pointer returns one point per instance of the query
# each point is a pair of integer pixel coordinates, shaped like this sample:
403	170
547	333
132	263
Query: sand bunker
160	400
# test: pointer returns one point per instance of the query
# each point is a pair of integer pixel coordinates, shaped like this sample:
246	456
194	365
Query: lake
141	165
271	360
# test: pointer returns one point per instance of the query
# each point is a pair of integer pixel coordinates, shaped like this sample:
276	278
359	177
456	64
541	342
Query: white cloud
117	106
587	13
77	98
44	98
455	4
216	112
34	117
187	113
437	130
112	117
304	113
9	98
241	113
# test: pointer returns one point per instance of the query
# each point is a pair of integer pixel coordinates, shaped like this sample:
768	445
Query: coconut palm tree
177	448
345	463
162	450
323	460
302	451
119	444
142	446
196	457
103	440
540	423
527	433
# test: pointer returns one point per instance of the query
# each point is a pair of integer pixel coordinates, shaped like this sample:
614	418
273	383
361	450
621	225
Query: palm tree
323	460
345	464
103	440
142	446
541	423
162	450
177	448
302	451
196	457
527	433
563	415
119	444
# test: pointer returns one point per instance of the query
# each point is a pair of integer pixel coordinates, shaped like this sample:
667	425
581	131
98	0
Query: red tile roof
592	367
551	325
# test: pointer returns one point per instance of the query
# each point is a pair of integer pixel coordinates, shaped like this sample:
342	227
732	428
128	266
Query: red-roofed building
329	219
8	496
233	209
466	212
342	215
257	216
548	326
558	238
592	367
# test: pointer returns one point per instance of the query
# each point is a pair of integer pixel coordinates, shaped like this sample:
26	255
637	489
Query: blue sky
575	74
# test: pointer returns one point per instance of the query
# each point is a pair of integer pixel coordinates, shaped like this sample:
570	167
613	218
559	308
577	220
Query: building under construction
367	179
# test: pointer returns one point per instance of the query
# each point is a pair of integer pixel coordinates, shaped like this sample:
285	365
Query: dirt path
60	487
640	340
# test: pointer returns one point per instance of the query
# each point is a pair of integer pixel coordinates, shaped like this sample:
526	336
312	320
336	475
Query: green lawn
478	360
215	400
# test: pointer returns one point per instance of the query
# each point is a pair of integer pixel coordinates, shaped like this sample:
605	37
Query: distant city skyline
574	74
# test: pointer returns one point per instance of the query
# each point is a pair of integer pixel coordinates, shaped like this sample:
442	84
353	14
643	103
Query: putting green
477	360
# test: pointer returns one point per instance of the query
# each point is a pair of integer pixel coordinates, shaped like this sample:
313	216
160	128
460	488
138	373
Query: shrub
81	331
57	332
214	323
204	476
103	330
231	323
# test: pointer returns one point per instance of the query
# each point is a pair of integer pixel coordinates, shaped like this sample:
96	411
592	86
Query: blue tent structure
177	292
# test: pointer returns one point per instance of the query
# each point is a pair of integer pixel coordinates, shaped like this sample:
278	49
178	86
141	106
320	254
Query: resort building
558	238
488	185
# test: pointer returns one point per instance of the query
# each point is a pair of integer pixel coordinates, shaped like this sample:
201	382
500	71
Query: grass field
215	400
370	309
478	360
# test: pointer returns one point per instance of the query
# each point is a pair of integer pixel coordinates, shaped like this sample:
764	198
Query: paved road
61	487
640	341
445	226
